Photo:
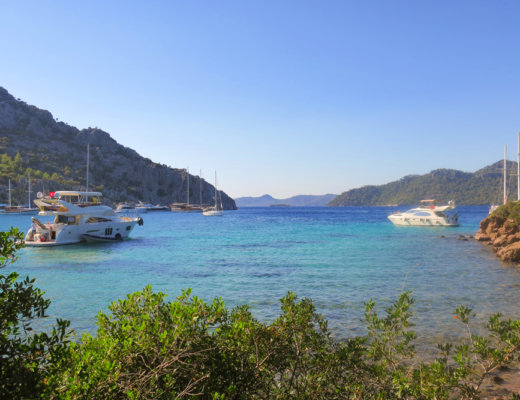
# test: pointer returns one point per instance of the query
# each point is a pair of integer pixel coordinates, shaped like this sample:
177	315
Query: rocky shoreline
503	235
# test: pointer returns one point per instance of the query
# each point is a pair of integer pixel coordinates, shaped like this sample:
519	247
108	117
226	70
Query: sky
279	97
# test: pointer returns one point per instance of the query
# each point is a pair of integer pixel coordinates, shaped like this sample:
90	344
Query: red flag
51	194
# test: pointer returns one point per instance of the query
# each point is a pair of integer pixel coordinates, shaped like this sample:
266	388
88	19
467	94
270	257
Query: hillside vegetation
481	187
509	211
55	155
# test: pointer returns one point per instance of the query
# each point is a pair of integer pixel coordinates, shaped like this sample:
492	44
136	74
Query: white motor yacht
427	214
145	207
125	208
79	217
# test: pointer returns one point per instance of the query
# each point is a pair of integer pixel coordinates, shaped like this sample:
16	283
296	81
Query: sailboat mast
188	190
9	193
200	188
88	159
29	206
216	205
505	174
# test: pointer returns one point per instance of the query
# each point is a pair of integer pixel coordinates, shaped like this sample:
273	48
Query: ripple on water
338	257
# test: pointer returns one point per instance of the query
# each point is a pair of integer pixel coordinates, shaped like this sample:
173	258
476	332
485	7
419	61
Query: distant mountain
295	201
55	154
481	187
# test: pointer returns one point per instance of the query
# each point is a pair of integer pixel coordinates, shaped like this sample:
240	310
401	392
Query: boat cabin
66	220
80	199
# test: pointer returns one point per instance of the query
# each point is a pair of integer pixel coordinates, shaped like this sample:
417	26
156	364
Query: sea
338	257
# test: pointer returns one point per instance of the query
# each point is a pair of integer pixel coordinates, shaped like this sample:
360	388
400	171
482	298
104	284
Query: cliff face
52	147
503	235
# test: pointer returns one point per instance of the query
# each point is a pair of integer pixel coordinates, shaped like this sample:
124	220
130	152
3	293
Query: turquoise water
339	257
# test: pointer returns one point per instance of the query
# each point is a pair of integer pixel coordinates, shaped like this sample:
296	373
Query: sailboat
10	210
186	207
214	210
495	206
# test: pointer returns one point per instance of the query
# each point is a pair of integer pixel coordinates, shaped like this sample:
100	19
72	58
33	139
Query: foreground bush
26	358
148	348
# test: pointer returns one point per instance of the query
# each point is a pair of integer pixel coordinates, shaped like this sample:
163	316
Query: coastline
501	231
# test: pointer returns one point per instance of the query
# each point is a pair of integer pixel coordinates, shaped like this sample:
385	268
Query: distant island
466	188
33	142
295	201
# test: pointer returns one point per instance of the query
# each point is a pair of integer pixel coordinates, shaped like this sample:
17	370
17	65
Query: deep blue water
339	257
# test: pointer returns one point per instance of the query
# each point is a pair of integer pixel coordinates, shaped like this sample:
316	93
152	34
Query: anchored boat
78	217
427	214
214	211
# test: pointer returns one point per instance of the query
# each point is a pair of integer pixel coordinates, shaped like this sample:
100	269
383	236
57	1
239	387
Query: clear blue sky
280	97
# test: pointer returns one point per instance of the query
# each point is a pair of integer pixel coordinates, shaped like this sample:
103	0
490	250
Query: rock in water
501	231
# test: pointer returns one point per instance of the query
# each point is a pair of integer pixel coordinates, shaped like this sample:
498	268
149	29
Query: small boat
22	210
125	208
493	207
185	207
78	216
188	207
145	207
214	210
19	210
427	214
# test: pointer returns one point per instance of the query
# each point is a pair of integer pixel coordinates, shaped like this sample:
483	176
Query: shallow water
339	257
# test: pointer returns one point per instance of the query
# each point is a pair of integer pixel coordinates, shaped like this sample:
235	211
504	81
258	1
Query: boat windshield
65	220
80	199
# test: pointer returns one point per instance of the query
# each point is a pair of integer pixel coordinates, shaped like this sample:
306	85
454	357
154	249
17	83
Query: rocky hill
481	187
55	154
295	201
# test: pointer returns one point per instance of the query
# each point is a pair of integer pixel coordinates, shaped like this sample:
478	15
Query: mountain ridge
55	153
296	201
483	186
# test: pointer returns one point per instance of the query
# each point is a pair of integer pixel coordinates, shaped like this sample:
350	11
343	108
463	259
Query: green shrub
509	211
152	349
26	358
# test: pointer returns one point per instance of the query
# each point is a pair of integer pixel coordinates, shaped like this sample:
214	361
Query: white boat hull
57	235
410	221
426	215
78	216
96	238
212	213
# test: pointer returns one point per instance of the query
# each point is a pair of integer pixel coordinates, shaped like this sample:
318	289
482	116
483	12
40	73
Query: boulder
501	241
482	237
510	253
